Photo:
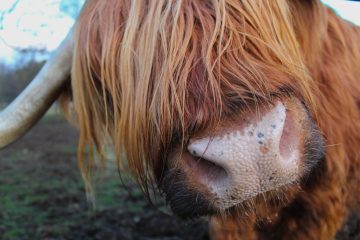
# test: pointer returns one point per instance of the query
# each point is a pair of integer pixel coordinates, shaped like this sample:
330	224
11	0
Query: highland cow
244	111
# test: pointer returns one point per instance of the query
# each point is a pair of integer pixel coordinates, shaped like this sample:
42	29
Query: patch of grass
42	195
35	203
109	195
65	149
18	215
15	232
53	114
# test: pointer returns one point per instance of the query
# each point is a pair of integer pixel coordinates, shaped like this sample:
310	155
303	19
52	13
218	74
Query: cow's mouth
185	201
234	164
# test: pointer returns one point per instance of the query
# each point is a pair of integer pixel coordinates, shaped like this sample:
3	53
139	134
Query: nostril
205	170
289	140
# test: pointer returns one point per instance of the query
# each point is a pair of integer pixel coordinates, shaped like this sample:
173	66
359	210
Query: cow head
211	100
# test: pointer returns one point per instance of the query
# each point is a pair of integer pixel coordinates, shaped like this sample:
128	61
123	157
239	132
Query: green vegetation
41	191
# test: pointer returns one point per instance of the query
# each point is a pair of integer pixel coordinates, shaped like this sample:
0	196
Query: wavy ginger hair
150	73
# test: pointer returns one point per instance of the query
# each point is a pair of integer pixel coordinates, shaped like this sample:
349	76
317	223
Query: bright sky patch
42	24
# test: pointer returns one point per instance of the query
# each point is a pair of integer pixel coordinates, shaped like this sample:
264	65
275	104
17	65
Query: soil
42	196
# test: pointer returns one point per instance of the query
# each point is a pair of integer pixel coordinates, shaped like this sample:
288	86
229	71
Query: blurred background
41	191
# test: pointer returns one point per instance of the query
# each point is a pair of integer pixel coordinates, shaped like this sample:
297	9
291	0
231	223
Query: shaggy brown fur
148	73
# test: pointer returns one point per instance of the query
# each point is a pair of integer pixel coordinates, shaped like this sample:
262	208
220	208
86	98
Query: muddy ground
42	196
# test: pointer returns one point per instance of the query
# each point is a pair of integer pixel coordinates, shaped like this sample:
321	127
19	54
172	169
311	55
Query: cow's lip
185	201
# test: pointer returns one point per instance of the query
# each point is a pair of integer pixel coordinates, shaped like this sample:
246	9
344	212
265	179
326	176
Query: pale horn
17	118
